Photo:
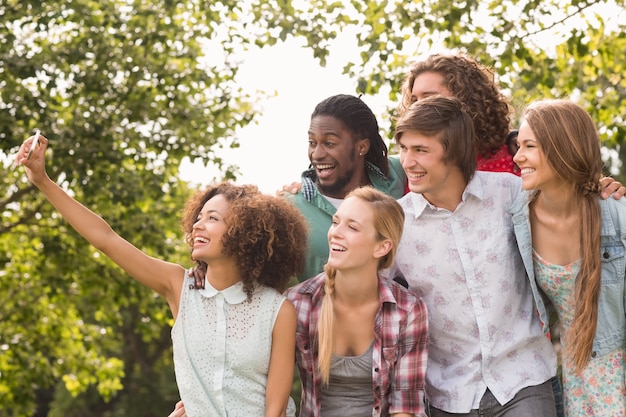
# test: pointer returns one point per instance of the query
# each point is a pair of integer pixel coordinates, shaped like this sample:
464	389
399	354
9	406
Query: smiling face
422	157
536	172
208	230
353	239
335	155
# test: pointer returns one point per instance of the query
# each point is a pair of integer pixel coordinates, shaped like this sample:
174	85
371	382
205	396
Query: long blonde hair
388	223
570	142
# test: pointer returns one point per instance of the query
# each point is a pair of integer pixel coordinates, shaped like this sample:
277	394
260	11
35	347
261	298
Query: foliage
538	48
125	89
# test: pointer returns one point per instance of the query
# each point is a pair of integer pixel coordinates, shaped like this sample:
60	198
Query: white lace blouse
222	346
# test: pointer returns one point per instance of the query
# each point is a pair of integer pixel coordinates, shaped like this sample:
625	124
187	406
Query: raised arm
163	277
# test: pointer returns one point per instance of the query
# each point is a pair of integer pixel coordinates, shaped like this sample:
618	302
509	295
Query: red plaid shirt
399	353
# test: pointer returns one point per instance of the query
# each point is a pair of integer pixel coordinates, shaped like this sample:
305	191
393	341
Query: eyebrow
325	133
413	147
349	219
209	212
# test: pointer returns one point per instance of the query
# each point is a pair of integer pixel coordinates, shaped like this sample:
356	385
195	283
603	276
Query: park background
145	101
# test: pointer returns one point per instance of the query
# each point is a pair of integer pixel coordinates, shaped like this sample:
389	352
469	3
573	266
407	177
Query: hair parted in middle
265	234
444	118
388	223
360	120
569	140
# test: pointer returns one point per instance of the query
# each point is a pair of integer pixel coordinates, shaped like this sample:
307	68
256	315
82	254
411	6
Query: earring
360	153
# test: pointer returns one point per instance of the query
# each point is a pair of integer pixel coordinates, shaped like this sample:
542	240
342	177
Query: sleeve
407	386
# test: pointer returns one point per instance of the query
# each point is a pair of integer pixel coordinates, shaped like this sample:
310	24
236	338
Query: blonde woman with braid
573	243
361	339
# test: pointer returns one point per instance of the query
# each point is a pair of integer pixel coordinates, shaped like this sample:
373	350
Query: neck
450	196
559	202
222	274
356	287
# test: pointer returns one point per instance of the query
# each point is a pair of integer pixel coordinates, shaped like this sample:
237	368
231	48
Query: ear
383	248
363	146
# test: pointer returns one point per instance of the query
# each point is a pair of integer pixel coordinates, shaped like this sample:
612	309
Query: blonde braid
325	327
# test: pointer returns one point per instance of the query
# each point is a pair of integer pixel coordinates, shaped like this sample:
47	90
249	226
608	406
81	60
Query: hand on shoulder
292	188
612	187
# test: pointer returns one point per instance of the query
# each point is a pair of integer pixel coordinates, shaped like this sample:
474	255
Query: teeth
417	175
527	170
201	240
338	248
324	166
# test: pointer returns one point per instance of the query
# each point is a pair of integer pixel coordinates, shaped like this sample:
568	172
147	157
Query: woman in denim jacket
576	254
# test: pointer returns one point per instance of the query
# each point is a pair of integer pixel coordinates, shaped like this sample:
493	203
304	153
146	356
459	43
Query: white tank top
222	345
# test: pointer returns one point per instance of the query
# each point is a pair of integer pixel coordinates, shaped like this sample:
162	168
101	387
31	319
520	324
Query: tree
124	90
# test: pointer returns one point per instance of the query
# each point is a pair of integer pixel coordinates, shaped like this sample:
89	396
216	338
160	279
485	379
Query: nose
406	161
518	156
197	224
317	152
334	231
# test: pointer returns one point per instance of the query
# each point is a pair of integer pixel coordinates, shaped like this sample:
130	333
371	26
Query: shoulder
395	165
405	299
393	183
267	294
406	200
616	206
502	185
505	178
520	204
307	289
615	210
287	312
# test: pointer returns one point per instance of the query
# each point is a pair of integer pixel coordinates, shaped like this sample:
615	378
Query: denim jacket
611	327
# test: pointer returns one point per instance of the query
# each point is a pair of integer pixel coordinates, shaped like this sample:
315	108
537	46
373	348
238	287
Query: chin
327	187
417	189
333	264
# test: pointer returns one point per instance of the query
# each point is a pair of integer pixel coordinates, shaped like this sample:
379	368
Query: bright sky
273	152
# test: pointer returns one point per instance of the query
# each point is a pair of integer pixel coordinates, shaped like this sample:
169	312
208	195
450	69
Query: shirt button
594	354
375	369
605	255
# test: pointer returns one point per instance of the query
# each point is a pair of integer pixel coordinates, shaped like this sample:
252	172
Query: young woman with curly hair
474	84
574	246
234	339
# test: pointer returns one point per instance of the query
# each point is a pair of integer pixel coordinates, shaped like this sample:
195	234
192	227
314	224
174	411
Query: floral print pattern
600	390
